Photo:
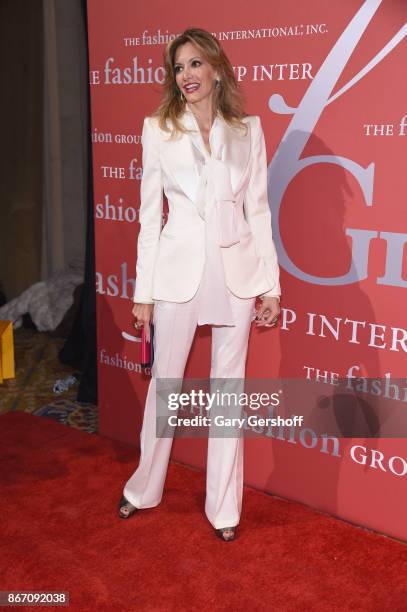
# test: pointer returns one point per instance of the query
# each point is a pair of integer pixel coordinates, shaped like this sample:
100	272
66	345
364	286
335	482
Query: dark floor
32	390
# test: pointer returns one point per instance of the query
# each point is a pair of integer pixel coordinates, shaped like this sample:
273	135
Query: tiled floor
37	370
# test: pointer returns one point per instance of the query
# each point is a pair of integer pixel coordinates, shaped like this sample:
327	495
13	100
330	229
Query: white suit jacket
170	259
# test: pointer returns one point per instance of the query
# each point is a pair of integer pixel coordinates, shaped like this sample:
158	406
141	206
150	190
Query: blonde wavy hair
228	99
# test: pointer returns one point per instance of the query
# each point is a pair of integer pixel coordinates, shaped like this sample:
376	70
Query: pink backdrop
327	80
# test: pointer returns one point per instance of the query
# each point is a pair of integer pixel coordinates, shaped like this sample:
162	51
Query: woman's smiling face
193	73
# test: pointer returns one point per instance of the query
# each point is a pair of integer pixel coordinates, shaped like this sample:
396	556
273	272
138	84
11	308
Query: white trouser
174	329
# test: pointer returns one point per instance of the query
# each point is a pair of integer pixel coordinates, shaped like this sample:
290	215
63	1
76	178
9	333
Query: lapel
227	144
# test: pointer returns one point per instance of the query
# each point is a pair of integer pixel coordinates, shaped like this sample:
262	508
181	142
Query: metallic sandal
226	538
124	503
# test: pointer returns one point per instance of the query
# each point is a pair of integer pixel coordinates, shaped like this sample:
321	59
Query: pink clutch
147	348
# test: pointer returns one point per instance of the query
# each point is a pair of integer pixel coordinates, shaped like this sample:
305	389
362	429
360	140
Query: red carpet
60	489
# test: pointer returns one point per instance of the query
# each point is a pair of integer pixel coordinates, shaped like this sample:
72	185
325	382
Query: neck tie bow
215	187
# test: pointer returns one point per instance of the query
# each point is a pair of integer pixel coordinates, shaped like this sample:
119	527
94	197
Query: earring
182	97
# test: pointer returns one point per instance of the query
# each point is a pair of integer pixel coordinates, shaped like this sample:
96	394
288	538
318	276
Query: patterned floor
37	370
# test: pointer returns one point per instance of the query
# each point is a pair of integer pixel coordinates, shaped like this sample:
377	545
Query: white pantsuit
207	265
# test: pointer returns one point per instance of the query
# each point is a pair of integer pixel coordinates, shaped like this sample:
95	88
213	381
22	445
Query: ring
137	325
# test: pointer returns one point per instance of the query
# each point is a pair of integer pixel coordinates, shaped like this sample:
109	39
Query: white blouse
214	304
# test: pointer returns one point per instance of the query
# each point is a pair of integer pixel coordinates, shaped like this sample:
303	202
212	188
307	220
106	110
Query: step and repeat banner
328	82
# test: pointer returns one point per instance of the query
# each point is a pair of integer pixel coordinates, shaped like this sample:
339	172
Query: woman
214	256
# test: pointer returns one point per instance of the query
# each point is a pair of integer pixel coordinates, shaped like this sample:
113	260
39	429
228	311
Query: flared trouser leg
174	330
224	476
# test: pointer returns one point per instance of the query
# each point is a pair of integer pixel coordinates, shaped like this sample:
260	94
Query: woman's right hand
143	315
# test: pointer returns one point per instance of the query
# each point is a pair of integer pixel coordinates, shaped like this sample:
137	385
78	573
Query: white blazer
170	260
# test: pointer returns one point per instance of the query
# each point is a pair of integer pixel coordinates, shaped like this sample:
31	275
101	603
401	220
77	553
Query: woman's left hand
268	313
